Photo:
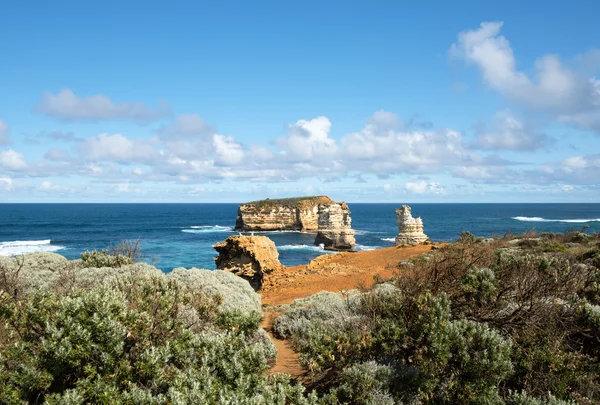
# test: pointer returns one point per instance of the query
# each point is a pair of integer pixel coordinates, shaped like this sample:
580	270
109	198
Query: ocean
182	235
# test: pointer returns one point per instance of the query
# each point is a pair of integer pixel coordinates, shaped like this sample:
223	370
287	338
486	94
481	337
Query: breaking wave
19	247
304	247
570	221
207	229
393	240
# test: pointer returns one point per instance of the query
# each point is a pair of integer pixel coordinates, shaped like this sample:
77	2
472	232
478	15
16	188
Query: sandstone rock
298	214
335	230
250	257
410	230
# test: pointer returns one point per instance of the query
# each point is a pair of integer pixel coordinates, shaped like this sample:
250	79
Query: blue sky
362	101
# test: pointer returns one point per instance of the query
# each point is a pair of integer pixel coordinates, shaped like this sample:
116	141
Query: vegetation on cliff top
480	321
293	202
510	321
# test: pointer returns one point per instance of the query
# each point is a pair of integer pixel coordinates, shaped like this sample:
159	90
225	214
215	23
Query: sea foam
19	247
207	229
571	221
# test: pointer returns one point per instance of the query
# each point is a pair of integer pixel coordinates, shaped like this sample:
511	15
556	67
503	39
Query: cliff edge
282	214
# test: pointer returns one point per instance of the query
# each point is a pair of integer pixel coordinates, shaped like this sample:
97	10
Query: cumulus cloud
510	133
570	95
6	183
117	148
227	151
307	140
381	149
69	106
12	160
4	134
423	187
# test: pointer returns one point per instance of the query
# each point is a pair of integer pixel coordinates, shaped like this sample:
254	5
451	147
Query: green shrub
103	259
133	341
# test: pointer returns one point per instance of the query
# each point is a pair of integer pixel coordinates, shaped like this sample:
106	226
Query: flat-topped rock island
281	214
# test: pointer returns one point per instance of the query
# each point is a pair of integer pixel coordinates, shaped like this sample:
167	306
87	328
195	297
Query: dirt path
287	358
337	272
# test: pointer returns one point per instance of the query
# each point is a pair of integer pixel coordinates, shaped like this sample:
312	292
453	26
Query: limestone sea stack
283	214
410	230
335	230
250	257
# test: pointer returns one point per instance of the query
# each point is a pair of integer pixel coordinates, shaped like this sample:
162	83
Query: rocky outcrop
335	230
250	257
284	214
410	230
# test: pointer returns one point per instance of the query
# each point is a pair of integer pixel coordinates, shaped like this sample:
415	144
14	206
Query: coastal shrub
132	342
324	306
103	258
236	292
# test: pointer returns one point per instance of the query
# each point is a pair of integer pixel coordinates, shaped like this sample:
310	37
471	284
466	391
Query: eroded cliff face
335	229
284	214
410	230
250	257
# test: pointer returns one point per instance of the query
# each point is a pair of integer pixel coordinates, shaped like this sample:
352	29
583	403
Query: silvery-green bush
125	342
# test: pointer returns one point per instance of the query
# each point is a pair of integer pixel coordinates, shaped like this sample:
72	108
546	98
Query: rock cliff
410	230
335	231
250	257
290	214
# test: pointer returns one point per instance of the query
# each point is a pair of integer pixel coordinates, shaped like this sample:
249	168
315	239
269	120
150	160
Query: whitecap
313	248
207	229
363	248
540	219
393	240
19	247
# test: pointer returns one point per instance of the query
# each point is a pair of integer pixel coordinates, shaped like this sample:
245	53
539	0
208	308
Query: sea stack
282	214
410	230
250	257
335	230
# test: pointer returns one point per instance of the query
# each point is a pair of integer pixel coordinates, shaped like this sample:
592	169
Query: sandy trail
335	273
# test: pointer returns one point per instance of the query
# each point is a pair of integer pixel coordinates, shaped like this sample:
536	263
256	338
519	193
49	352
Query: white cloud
12	160
4	134
227	151
508	132
117	148
307	140
566	188
569	95
49	186
67	105
6	183
422	187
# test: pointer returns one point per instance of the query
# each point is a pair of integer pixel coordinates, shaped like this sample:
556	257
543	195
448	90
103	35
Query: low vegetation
505	321
512	320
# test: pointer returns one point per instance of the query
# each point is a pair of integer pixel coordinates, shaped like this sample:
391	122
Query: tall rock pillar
335	230
410	230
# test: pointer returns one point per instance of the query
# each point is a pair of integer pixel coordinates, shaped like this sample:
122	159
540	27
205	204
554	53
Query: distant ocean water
182	235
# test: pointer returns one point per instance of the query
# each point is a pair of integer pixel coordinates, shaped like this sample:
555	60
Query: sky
363	101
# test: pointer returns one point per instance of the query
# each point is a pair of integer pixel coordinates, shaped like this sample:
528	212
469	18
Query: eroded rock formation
335	231
410	230
250	257
293	214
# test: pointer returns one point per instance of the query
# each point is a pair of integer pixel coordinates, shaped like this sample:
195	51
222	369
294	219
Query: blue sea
182	235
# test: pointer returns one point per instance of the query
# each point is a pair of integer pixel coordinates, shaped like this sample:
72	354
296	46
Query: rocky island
335	230
282	214
410	230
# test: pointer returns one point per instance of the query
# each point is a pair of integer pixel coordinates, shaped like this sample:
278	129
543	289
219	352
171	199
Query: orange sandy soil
335	273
